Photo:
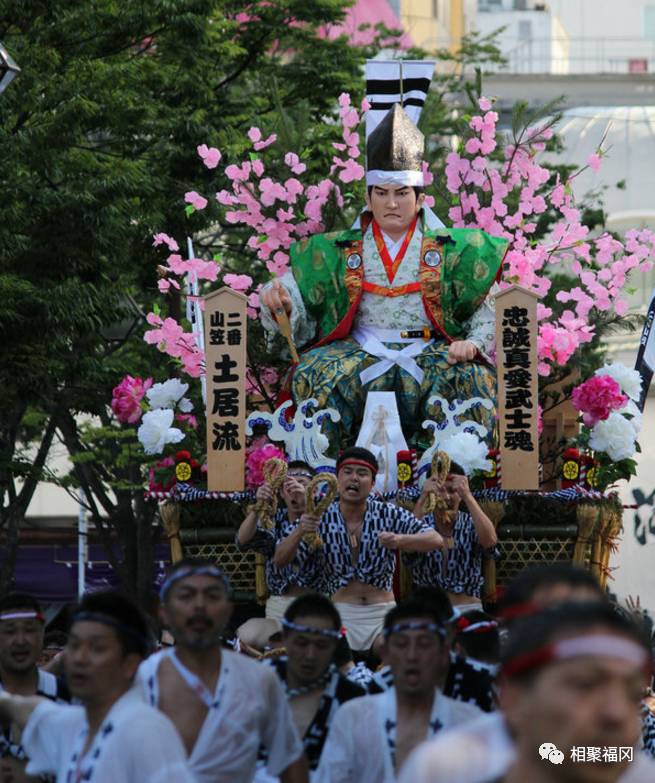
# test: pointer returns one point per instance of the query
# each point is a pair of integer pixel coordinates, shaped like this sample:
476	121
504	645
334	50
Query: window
525	29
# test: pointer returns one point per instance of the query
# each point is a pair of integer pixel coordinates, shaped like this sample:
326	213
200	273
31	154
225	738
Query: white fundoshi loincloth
363	622
277	605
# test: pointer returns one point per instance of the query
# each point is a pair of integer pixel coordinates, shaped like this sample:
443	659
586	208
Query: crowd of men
430	689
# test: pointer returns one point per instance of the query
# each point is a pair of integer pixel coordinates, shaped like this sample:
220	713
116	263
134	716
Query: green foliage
97	136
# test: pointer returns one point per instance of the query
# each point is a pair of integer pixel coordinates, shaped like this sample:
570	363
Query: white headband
598	644
25	614
409	178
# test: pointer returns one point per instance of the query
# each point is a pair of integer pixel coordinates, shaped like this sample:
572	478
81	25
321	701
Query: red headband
355	461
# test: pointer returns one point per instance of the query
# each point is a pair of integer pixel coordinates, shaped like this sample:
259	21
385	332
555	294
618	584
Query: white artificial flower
637	417
615	436
166	395
185	406
156	431
467	450
629	380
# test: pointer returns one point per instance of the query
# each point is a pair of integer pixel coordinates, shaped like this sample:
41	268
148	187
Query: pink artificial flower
253	304
593	161
255	463
161	238
293	162
428	176
261	145
257	167
294	188
195	199
126	398
351	171
271	192
187	418
193	363
597	397
210	156
164	285
225	198
349	118
279	264
238	282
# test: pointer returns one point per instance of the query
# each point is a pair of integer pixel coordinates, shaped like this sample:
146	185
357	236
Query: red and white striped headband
464	625
607	645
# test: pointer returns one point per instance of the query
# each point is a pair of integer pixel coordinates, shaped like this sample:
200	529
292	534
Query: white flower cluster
156	430
617	435
467	450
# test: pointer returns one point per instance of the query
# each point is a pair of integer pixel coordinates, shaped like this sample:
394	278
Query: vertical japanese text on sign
225	341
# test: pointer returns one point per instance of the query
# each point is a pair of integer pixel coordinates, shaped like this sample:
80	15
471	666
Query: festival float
543	444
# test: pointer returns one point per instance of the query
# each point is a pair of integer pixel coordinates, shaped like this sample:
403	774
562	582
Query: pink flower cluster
597	397
349	170
126	399
195	267
484	190
170	338
255	463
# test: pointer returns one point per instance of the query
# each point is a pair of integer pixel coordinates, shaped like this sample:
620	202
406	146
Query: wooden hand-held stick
318	507
275	471
285	330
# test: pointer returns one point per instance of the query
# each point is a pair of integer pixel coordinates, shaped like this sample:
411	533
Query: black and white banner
646	356
383	88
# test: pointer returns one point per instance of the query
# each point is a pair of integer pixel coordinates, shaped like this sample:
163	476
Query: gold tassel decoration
275	471
601	534
169	513
588	518
611	530
317	507
440	469
495	510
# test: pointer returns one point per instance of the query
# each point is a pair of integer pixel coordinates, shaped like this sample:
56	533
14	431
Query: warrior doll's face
394	208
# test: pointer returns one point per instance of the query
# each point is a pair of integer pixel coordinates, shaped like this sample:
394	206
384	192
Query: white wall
587	36
526	41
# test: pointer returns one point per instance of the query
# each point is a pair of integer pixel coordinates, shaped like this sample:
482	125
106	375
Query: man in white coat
224	705
571	684
371	737
113	736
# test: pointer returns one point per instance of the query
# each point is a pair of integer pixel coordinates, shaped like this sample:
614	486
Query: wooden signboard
225	362
516	367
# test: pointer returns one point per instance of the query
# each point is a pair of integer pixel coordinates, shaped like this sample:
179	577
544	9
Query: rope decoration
440	469
275	471
318	506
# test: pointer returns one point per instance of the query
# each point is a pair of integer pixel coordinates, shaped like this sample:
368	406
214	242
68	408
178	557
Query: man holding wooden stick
361	536
291	565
